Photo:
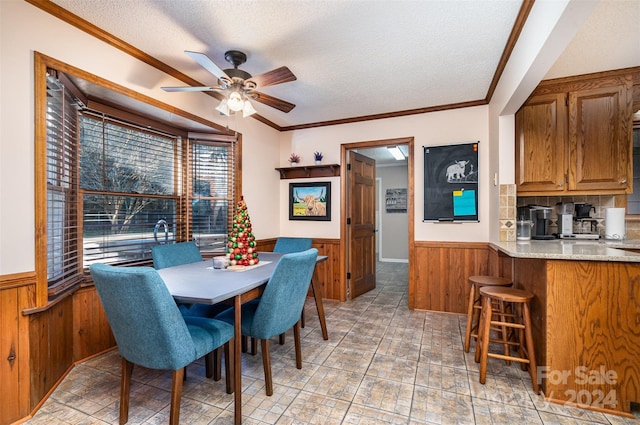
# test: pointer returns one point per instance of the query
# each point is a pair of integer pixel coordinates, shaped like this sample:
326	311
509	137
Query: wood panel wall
327	273
17	292
438	279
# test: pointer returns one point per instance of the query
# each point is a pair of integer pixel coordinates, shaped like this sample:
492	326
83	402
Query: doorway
351	254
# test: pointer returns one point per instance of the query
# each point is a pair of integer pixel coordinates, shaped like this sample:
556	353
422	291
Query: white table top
201	283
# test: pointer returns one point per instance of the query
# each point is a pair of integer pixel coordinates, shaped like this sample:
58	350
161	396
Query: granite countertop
585	250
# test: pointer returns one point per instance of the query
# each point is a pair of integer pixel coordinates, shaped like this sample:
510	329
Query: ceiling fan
240	85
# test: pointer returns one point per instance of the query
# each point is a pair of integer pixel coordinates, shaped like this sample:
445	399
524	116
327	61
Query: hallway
382	364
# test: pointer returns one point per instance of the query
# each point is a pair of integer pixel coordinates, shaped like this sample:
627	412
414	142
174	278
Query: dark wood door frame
344	148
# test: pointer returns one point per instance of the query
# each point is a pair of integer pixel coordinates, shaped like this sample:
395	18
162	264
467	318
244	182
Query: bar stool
520	326
473	312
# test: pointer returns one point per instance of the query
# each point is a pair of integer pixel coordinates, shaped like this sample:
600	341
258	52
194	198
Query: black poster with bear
451	182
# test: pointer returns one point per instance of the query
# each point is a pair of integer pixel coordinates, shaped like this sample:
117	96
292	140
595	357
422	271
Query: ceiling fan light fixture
223	108
235	102
396	152
247	109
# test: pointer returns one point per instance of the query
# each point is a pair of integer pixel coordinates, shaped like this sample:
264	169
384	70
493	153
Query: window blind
212	192
129	183
62	187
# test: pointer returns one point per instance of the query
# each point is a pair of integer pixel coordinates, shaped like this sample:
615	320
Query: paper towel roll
614	224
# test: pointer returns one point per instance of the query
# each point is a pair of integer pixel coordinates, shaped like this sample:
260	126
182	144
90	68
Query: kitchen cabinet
575	138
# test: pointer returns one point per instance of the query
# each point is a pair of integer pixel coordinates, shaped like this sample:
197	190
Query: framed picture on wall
310	201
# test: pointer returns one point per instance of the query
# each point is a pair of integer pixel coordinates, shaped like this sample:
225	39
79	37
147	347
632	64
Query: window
128	181
62	186
109	187
212	192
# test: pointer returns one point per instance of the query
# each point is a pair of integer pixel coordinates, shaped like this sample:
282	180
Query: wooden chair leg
282	338
254	346
217	357
486	330
470	314
302	318
210	364
296	337
176	394
266	364
528	335
125	389
245	343
229	365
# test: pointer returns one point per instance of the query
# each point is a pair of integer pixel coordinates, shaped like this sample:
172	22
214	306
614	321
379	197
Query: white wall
25	29
432	129
393	234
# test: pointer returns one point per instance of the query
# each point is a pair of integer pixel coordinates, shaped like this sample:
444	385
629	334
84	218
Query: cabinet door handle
623	181
560	184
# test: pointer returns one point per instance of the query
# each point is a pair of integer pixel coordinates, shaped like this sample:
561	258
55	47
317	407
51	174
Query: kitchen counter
584	318
562	249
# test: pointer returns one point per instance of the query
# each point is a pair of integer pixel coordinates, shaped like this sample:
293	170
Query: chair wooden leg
528	335
266	364
217	357
470	314
281	338
229	365
254	346
210	364
302	318
176	394
486	331
296	337
125	389
245	343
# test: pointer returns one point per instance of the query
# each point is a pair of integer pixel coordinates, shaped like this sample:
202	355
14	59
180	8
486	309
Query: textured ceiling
354	58
351	58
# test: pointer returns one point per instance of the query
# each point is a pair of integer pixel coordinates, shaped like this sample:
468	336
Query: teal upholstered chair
151	332
279	308
176	254
287	245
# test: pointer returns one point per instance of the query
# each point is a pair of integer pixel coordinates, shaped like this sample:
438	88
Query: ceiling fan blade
191	88
276	76
274	102
207	64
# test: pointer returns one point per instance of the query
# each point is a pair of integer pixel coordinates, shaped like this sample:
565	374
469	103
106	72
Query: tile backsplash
507	212
600	202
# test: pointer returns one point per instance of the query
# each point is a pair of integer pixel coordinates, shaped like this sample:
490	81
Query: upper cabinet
573	136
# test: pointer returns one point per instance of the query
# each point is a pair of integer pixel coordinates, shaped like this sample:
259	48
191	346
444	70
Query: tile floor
382	364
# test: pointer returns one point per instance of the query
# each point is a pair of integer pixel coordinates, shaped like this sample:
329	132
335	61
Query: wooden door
600	139
361	267
540	144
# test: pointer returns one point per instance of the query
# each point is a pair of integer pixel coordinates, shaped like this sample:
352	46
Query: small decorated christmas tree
241	247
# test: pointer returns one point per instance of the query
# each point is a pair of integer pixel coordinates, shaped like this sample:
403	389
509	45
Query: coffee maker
565	211
540	217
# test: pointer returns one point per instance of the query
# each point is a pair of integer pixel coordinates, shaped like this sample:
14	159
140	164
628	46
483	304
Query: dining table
201	283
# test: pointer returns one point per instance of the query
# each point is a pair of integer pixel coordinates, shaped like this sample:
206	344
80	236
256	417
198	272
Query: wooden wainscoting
327	273
17	292
91	331
440	270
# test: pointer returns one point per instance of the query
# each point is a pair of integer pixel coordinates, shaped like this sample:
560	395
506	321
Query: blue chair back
144	318
169	255
283	298
287	245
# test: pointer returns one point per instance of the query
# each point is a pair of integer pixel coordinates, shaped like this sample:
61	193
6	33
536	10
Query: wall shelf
307	171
